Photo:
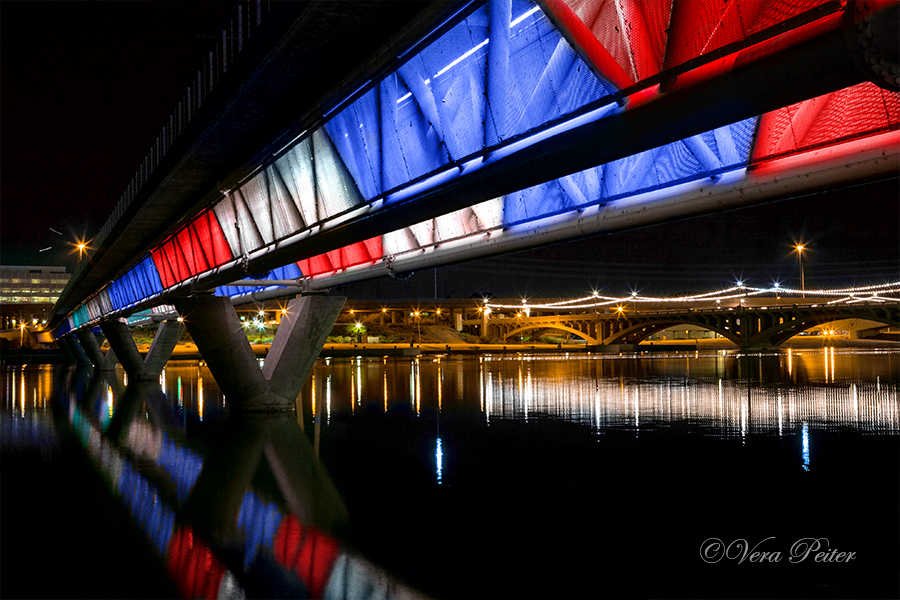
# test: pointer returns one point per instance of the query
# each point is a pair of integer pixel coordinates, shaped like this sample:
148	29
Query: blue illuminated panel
468	90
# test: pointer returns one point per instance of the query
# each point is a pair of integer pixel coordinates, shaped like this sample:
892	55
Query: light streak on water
804	435
439	461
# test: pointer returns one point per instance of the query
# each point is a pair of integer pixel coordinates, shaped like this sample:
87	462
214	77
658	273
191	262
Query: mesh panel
436	107
295	170
645	36
352	255
356	134
856	111
286	217
701	26
336	190
254	216
695	158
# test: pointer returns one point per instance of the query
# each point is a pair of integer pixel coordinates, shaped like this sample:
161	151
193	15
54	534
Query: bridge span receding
349	195
752	319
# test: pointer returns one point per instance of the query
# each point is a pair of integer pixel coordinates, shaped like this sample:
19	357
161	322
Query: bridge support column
262	426
91	346
76	350
217	331
138	367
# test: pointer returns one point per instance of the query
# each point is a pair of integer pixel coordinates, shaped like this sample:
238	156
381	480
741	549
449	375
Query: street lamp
82	247
800	248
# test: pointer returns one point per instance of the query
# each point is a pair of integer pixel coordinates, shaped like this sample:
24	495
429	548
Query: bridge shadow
253	513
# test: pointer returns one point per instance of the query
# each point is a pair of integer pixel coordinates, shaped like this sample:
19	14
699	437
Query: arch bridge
749	328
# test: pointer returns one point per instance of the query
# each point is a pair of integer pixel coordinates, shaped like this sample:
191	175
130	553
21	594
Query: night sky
86	87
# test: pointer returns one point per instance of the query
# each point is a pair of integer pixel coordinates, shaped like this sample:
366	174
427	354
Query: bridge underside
513	125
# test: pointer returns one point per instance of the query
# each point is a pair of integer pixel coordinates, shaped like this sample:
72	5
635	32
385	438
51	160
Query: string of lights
869	293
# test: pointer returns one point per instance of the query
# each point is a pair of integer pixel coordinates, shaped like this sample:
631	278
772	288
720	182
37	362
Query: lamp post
800	248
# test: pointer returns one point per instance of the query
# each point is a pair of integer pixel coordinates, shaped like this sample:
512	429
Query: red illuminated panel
640	38
698	27
856	111
354	254
632	35
192	566
306	551
196	248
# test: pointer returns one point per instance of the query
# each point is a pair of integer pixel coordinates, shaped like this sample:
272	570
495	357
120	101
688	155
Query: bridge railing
245	28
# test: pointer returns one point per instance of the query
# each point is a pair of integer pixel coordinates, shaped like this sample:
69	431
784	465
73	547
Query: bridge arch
777	335
640	331
551	326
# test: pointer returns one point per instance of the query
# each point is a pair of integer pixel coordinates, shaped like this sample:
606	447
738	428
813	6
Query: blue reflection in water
439	461
805	436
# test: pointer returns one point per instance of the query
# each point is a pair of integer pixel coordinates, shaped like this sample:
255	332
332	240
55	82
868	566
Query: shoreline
189	351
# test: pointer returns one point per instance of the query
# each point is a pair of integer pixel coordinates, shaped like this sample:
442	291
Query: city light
81	246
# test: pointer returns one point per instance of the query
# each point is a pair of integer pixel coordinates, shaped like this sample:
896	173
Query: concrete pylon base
261	426
138	367
215	328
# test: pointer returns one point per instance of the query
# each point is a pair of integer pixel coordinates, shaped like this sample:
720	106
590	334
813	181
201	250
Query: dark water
584	475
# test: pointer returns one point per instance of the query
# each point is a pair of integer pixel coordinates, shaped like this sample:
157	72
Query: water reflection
154	439
731	397
25	419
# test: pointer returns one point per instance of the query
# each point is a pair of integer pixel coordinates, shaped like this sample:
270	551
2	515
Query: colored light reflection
804	436
439	461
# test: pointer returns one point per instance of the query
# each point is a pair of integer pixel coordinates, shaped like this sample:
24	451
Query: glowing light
873	293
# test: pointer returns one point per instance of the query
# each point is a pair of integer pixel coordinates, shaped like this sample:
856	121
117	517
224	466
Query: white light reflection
439	461
804	432
633	403
780	416
328	399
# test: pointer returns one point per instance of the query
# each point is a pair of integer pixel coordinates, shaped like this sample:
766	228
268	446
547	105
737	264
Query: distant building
27	294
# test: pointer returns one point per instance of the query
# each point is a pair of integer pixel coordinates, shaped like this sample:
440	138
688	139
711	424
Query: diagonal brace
217	331
138	367
91	347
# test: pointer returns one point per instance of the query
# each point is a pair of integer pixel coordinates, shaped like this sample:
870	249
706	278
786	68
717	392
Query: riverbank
189	351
